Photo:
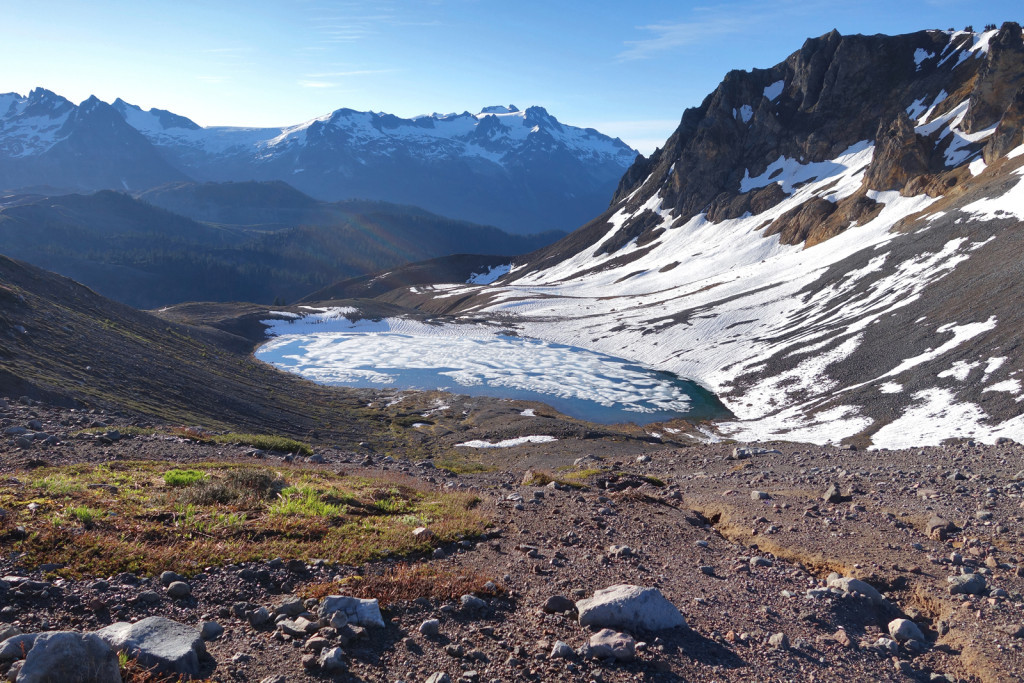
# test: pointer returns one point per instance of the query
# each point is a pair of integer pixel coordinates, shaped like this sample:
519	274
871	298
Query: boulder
16	646
291	606
851	585
471	603
70	657
561	651
332	660
359	612
557	604
903	630
179	590
629	607
609	644
967	584
166	646
938	528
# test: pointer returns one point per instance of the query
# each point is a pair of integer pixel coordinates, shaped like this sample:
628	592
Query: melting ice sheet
575	381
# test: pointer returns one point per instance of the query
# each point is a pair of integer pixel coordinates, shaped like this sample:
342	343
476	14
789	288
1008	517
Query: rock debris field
598	562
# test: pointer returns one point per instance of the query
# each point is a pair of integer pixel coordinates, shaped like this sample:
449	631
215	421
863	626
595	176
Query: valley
266	416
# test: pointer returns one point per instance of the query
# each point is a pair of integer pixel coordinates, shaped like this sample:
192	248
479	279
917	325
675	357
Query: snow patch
920	55
507	443
492	274
774	90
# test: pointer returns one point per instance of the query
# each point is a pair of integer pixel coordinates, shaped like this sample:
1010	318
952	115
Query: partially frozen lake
575	381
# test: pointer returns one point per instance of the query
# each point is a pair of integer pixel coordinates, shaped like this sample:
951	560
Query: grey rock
358	611
832	495
430	628
561	651
210	630
16	646
779	640
70	657
15	431
938	528
558	604
609	644
332	660
630	607
620	551
258	617
439	677
903	630
759	495
150	597
851	585
316	644
291	606
167	578
887	645
472	603
337	620
967	584
276	678
300	627
158	643
23	442
179	590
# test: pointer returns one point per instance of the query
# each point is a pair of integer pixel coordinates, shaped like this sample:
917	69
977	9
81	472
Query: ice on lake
575	381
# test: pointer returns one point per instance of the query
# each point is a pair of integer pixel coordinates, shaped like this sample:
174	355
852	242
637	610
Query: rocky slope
755	547
828	244
523	171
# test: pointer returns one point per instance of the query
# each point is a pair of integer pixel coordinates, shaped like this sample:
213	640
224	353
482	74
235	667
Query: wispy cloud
666	37
709	24
352	22
347	74
331	79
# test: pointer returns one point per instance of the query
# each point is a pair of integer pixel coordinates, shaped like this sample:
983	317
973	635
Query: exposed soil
739	568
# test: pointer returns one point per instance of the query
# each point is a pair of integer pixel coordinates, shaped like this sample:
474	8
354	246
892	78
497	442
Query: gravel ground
736	542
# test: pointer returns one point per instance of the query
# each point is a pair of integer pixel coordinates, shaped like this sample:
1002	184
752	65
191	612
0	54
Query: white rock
851	585
359	612
629	607
903	630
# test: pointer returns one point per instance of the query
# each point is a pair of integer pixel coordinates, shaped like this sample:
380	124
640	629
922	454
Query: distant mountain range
523	171
258	242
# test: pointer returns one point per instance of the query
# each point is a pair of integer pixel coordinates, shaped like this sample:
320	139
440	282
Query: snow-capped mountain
832	245
521	170
48	142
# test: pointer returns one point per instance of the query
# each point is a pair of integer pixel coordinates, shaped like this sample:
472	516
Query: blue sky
628	69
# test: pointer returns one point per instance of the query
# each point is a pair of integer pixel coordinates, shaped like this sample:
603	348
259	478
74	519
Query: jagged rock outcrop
900	93
999	79
1009	132
900	155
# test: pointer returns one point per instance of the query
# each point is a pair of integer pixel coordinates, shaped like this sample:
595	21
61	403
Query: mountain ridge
523	171
817	243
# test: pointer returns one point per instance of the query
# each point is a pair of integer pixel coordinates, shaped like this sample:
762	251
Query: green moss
183	477
133	522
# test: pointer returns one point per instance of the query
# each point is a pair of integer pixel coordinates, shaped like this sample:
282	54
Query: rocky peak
834	93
